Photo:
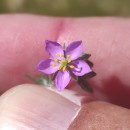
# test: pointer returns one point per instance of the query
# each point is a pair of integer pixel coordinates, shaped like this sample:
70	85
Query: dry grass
67	7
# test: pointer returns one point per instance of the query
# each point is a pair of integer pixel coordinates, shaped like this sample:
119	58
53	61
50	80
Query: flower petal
54	49
47	66
80	67
62	79
74	49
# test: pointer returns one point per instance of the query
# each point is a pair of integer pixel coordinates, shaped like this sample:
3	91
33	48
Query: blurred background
67	7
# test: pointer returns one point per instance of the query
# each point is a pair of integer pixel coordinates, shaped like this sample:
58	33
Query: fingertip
99	115
34	107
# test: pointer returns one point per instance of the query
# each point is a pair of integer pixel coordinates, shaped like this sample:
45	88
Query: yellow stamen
64	68
71	66
58	55
60	67
69	60
56	60
53	64
68	56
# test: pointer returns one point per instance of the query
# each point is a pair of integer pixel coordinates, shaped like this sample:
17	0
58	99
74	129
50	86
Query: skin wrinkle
64	24
15	125
60	29
30	121
21	119
112	48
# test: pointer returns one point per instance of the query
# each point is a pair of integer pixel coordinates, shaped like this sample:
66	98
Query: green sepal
43	79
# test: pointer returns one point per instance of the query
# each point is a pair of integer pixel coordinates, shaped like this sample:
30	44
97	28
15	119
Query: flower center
64	63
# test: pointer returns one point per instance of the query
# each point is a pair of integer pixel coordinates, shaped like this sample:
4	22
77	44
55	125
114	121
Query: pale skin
32	107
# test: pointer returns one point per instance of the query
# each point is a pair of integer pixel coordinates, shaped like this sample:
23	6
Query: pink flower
64	63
